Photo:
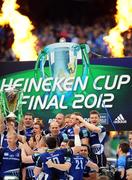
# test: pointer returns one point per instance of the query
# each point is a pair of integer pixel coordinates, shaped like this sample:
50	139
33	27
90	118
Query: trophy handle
41	58
85	50
3	104
19	106
85	59
3	110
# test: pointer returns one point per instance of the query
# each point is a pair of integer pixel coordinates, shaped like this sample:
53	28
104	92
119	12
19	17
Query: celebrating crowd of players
70	149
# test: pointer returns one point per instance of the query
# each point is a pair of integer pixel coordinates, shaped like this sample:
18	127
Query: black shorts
100	160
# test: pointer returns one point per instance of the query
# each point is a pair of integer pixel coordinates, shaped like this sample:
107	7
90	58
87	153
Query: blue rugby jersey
58	157
130	152
63	130
78	164
28	132
97	141
129	159
84	133
10	162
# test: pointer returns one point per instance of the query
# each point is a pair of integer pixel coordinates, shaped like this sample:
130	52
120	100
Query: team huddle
71	148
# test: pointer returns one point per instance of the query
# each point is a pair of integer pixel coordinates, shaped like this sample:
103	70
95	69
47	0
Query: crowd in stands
48	33
70	148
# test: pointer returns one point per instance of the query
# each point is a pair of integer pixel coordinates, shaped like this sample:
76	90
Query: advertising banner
105	88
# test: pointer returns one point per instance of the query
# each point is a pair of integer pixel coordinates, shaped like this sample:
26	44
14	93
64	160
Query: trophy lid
11	115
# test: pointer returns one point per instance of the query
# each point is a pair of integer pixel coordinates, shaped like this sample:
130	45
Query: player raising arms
97	137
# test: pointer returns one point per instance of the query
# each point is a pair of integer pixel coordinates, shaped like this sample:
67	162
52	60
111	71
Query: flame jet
24	41
123	20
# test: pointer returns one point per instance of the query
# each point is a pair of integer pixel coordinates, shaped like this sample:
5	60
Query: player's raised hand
76	129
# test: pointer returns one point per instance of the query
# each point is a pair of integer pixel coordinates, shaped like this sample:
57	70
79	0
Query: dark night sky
75	10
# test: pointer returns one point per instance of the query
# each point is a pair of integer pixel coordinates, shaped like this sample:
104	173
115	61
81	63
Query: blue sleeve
39	162
35	157
121	162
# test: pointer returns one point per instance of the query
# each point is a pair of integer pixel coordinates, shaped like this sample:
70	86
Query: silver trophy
11	102
62	61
